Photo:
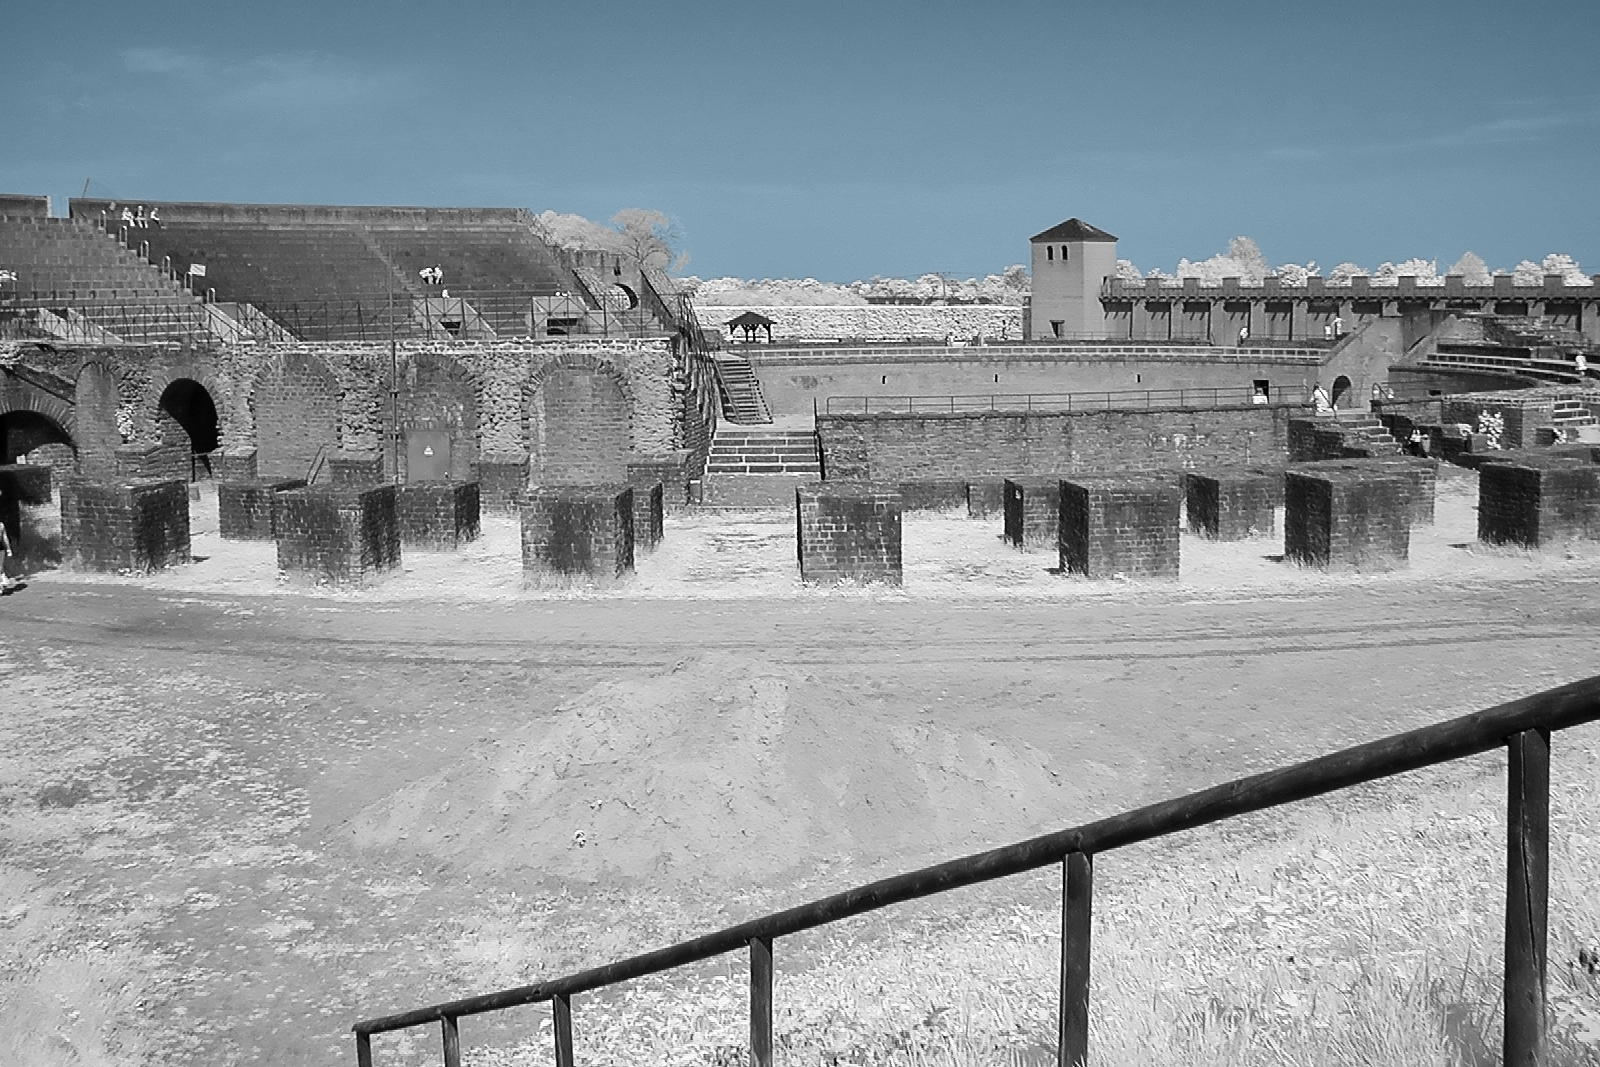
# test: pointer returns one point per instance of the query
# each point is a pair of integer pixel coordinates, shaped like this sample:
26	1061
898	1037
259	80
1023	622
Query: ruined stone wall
874	322
897	448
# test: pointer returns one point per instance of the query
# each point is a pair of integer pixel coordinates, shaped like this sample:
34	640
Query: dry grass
1361	929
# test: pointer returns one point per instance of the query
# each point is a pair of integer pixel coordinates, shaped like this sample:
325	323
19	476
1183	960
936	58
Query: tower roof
1073	230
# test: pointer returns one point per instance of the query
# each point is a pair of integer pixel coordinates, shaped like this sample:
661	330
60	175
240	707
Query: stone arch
187	417
98	403
1341	389
579	421
31	418
437	396
295	403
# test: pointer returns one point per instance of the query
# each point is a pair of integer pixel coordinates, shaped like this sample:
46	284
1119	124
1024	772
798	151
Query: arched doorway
188	420
28	433
1341	390
580	425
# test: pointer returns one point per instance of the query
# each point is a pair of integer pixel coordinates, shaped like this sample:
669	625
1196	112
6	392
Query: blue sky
842	140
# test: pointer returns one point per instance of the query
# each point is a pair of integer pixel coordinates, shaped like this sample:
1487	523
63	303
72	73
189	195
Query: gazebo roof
1073	230
750	318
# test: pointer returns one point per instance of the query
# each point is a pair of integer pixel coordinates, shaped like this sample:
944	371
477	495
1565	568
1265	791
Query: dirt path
181	764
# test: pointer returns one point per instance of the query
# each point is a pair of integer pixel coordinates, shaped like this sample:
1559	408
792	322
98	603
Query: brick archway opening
23	432
189	417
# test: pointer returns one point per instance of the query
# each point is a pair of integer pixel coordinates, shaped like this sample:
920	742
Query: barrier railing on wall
1115	400
1522	726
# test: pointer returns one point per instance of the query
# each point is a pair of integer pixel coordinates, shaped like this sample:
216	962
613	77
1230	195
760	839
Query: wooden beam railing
1524	726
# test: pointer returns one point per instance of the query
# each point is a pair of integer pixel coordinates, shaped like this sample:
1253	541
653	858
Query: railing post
363	1050
761	1002
452	1041
1527	897
561	1009
1077	894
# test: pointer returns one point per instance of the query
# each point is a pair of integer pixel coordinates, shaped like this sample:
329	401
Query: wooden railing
1523	726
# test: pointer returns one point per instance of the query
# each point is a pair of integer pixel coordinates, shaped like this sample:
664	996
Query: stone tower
1070	263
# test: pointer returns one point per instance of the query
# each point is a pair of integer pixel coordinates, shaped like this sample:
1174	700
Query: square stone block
1235	503
671	470
136	526
1421	475
986	497
1347	518
438	515
577	532
1125	525
338	536
1539	503
649	516
355	470
848	531
244	509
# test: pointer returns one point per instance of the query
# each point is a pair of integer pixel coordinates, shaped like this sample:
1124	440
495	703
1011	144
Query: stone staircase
742	400
1362	432
753	466
1575	422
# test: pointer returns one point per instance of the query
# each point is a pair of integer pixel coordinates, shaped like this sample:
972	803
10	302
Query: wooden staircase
742	400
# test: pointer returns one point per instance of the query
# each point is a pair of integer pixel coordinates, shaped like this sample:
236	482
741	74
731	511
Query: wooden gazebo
750	323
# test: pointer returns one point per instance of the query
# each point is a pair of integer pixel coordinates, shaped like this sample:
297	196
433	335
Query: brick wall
577	532
1119	525
127	526
1524	415
438	515
848	532
1539	503
234	465
1032	508
1232	504
245	509
1346	519
585	433
338	536
897	447
296	406
934	494
500	483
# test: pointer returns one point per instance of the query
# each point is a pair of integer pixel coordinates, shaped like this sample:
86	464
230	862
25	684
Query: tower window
1050	252
1063	253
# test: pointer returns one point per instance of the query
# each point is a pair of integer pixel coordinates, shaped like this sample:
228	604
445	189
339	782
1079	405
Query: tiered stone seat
66	264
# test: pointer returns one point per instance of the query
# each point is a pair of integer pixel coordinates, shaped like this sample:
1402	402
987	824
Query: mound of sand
719	768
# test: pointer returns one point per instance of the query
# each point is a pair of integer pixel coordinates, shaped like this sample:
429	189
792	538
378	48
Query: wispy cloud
163	61
291	84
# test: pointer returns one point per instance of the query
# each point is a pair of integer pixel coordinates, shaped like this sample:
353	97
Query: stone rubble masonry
848	532
938	494
649	517
986	497
875	322
673	470
438	515
137	526
1421	475
582	532
1233	503
355	470
1032	512
245	509
338	536
1539	503
1124	525
1347	518
898	447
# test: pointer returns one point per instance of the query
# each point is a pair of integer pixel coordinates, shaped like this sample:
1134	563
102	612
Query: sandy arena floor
236	817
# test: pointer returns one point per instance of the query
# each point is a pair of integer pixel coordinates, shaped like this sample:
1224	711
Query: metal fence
1115	400
1522	726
